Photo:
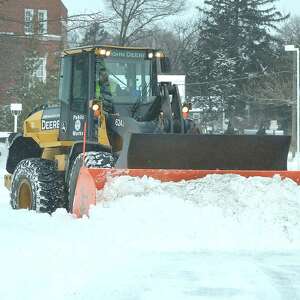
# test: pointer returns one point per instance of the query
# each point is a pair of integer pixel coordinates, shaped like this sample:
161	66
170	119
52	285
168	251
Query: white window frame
28	21
43	21
40	74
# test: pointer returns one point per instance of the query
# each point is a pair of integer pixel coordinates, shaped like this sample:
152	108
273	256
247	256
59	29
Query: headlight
102	52
159	54
95	107
185	109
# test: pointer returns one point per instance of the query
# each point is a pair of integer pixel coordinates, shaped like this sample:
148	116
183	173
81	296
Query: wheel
92	160
36	185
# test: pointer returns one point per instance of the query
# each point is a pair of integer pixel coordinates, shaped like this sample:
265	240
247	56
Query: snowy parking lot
221	237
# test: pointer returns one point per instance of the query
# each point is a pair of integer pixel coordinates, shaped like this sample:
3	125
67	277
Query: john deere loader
114	118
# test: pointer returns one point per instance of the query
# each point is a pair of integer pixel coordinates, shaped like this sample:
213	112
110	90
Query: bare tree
290	32
81	21
176	42
86	29
132	18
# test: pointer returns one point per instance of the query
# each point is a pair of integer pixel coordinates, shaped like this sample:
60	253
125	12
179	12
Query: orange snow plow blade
91	180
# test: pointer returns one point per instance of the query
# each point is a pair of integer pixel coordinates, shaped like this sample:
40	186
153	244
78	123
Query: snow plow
92	180
115	119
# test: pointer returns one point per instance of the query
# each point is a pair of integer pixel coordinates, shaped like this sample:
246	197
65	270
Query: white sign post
16	109
294	49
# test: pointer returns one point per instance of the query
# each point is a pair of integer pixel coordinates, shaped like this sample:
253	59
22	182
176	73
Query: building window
40	71
28	21
35	21
35	68
42	18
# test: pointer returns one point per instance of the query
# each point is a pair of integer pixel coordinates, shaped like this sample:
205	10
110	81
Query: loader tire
37	185
92	160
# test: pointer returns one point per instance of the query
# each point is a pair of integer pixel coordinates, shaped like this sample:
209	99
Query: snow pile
218	211
147	240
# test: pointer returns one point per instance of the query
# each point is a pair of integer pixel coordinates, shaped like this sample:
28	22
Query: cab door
75	92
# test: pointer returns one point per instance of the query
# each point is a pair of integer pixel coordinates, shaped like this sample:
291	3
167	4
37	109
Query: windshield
124	80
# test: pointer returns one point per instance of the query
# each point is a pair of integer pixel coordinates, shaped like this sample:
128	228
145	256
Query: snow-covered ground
221	237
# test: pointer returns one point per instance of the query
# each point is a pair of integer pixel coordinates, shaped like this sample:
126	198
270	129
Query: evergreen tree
241	30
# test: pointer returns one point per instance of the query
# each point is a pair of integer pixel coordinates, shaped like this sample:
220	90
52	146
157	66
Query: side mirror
165	65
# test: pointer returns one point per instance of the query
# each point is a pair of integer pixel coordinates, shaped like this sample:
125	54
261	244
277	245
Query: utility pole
294	107
292	48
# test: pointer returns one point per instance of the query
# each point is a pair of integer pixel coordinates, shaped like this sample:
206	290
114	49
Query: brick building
39	25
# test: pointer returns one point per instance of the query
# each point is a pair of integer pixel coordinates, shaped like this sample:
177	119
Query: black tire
36	185
92	160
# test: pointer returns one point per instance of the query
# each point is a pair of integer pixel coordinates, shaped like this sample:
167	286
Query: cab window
79	90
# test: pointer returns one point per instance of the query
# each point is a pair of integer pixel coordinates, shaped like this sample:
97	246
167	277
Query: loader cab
120	78
74	92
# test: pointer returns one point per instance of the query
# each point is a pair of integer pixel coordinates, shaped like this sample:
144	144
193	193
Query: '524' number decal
119	123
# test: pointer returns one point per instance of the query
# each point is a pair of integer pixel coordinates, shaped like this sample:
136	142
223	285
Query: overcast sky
292	6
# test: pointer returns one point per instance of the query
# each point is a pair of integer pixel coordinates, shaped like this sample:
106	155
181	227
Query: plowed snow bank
218	211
